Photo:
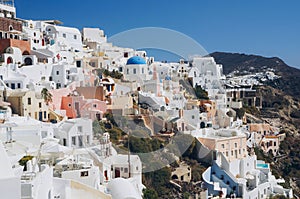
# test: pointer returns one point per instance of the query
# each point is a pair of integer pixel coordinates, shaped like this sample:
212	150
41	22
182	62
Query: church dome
136	60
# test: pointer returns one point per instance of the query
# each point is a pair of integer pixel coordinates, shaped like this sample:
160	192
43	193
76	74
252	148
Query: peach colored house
57	95
78	106
209	107
270	144
260	130
231	145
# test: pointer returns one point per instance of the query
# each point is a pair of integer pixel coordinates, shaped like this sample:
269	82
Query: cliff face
289	82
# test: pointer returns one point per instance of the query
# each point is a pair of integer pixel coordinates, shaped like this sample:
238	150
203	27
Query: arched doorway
174	177
28	61
9	60
202	125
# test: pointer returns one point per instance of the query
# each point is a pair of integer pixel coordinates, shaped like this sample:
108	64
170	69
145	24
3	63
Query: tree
150	194
46	95
201	93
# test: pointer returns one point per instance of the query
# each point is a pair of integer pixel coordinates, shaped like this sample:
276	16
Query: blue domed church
136	69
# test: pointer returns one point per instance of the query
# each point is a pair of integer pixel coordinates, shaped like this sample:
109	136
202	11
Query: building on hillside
182	173
264	136
231	143
28	103
78	106
136	69
76	133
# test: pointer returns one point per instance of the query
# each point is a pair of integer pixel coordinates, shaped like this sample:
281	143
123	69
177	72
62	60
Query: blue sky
263	27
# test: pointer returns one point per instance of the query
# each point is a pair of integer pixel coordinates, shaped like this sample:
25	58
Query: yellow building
28	103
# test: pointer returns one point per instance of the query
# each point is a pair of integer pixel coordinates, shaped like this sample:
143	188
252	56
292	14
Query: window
143	70
75	37
45	114
193	116
50	78
223	146
13	86
134	71
57	72
125	170
78	64
80	140
29	101
127	71
88	139
69	105
64	35
95	105
19	85
235	145
84	173
40	104
73	140
79	128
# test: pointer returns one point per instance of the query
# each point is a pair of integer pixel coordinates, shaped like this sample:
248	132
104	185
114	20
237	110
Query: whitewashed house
76	133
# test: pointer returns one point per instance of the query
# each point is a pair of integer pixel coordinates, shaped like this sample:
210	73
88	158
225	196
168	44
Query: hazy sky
263	27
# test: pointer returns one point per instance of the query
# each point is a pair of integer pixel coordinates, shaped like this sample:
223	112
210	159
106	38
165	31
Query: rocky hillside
281	108
289	82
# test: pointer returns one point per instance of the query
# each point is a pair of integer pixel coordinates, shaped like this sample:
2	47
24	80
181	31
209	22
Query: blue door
41	116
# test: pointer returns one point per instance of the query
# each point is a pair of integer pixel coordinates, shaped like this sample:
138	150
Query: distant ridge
289	83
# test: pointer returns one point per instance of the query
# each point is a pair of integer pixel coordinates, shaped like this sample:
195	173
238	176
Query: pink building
78	106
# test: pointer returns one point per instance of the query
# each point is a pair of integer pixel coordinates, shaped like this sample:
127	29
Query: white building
75	132
136	69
